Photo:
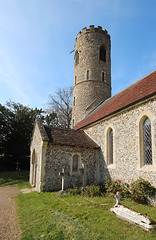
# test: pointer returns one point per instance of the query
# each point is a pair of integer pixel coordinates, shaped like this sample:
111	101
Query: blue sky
36	37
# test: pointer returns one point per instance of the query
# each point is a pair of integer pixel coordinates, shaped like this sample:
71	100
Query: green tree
22	125
16	124
6	128
51	119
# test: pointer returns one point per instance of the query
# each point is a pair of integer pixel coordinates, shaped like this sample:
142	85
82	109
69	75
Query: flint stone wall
126	144
58	157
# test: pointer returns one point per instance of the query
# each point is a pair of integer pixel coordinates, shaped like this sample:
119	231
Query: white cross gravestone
62	175
82	169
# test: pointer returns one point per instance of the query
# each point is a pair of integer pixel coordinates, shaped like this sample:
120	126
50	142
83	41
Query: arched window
147	143
75	163
76	58
102	54
110	146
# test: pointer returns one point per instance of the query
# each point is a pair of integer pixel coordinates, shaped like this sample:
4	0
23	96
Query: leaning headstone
133	217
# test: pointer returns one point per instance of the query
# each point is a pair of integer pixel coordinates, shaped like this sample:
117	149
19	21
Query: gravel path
9	228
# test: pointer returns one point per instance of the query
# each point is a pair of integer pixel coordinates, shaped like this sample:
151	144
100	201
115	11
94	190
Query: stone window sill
148	168
111	166
74	173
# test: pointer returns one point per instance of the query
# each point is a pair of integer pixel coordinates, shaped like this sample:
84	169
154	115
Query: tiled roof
138	91
66	137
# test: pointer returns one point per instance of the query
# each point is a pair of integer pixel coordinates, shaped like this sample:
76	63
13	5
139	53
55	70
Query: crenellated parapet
92	29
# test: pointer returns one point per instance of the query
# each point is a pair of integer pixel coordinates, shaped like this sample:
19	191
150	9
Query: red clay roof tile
69	137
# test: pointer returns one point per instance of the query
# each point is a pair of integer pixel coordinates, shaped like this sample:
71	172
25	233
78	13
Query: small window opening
87	74
74	101
75	79
73	122
103	77
76	58
102	55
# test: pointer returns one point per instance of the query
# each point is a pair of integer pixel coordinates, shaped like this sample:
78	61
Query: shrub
112	186
102	187
91	191
74	190
117	186
141	190
125	191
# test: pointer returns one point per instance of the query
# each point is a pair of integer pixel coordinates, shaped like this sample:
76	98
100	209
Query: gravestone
133	217
62	175
117	196
82	171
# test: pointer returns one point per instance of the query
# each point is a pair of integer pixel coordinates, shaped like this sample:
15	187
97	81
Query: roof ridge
66	129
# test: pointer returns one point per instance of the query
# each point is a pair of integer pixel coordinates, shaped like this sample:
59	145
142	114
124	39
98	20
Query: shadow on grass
14	177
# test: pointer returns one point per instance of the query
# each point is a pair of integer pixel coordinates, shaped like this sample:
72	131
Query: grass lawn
14	177
47	216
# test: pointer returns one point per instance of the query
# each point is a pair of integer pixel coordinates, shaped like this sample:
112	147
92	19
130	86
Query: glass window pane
111	147
147	142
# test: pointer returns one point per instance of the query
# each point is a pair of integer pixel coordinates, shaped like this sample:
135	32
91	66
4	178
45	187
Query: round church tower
92	71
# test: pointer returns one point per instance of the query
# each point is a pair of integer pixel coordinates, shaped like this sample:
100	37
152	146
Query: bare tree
61	104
